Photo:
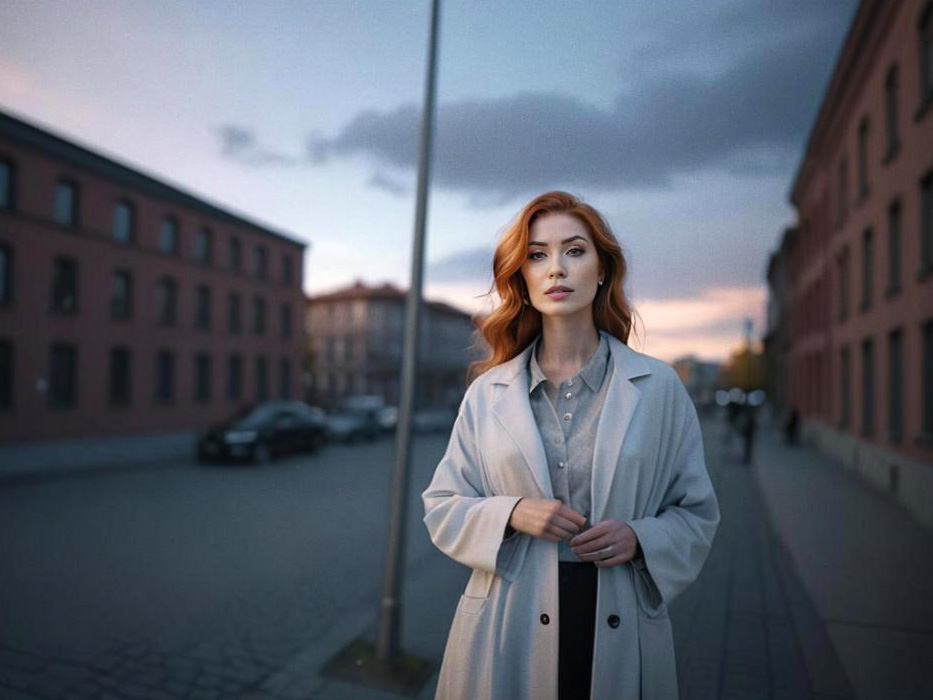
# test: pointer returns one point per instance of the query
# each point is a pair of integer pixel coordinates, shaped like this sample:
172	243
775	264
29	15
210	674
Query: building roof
54	146
360	290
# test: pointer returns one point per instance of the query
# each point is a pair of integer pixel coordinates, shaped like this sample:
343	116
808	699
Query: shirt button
568	416
545	619
560	465
568	395
613	621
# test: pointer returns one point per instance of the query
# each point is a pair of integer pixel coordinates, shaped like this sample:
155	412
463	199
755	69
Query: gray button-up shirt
567	416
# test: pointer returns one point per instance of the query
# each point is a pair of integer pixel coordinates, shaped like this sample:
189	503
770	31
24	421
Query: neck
567	341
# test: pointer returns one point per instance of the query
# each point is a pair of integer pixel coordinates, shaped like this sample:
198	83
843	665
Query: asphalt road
196	580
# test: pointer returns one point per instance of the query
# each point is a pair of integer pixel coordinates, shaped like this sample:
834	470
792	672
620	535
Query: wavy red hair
513	324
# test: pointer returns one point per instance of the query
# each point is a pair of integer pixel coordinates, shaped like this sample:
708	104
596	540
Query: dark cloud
241	146
750	116
385	182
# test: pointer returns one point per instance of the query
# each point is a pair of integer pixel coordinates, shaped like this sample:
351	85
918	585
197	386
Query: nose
556	268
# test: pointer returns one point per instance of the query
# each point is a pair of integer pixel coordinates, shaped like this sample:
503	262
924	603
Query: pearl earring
600	282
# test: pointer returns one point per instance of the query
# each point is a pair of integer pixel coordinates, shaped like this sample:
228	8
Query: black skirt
577	599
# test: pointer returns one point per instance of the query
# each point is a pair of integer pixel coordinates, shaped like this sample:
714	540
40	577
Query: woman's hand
607	543
550	519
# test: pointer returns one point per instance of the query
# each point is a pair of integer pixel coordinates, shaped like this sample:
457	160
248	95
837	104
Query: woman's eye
532	255
576	251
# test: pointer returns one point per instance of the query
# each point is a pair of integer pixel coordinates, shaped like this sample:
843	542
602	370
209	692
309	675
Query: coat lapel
513	410
622	399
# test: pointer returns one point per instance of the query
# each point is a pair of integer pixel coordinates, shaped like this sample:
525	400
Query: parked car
263	431
429	420
388	418
357	418
351	426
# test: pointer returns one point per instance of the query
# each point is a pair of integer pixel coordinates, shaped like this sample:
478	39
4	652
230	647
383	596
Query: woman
574	484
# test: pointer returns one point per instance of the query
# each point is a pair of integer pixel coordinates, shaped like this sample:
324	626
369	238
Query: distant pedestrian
790	427
747	428
574	483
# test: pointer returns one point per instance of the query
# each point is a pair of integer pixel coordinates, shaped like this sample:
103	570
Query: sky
684	123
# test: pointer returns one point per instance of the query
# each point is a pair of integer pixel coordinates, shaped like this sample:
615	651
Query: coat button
545	619
613	621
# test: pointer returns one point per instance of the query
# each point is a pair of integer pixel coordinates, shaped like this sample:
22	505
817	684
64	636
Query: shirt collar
592	373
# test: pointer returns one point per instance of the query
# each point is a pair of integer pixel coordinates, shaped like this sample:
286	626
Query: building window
894	248
121	303
233	313
925	42
120	376
202	245
262	379
926	225
6	185
890	111
261	265
926	388
863	160
6	275
202	308
867	268
63	377
285	378
895	385
165	377
845	394
234	377
123	222
166	302
6	374
259	316
285	317
235	255
843	313
66	203
65	286
868	388
168	235
202	377
287	270
842	196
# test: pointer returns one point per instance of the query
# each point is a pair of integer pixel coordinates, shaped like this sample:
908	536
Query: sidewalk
23	462
865	563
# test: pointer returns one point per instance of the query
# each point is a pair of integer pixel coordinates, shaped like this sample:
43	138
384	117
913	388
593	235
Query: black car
263	431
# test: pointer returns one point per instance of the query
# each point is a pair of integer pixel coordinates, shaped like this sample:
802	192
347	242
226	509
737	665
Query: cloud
750	117
240	145
382	181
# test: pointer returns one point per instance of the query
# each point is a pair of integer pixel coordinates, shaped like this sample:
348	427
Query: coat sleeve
676	541
464	520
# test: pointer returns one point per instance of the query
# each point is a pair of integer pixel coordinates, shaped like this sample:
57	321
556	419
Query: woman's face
561	253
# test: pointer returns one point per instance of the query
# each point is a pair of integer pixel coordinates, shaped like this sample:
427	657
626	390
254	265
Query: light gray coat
648	470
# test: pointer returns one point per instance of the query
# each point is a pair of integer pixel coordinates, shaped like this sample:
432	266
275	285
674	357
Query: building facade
128	305
776	340
356	337
860	270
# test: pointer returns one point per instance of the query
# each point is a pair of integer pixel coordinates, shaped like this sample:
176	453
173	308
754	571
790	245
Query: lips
558	288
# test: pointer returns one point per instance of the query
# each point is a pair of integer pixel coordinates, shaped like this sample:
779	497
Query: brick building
356	347
128	305
859	270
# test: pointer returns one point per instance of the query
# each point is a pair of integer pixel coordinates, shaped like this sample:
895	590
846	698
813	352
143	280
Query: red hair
513	324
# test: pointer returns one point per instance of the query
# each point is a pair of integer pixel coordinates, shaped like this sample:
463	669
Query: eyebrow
566	240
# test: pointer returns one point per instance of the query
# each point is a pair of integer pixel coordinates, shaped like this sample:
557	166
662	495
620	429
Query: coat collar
513	410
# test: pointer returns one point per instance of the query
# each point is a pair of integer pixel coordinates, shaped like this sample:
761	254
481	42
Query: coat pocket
650	604
476	593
